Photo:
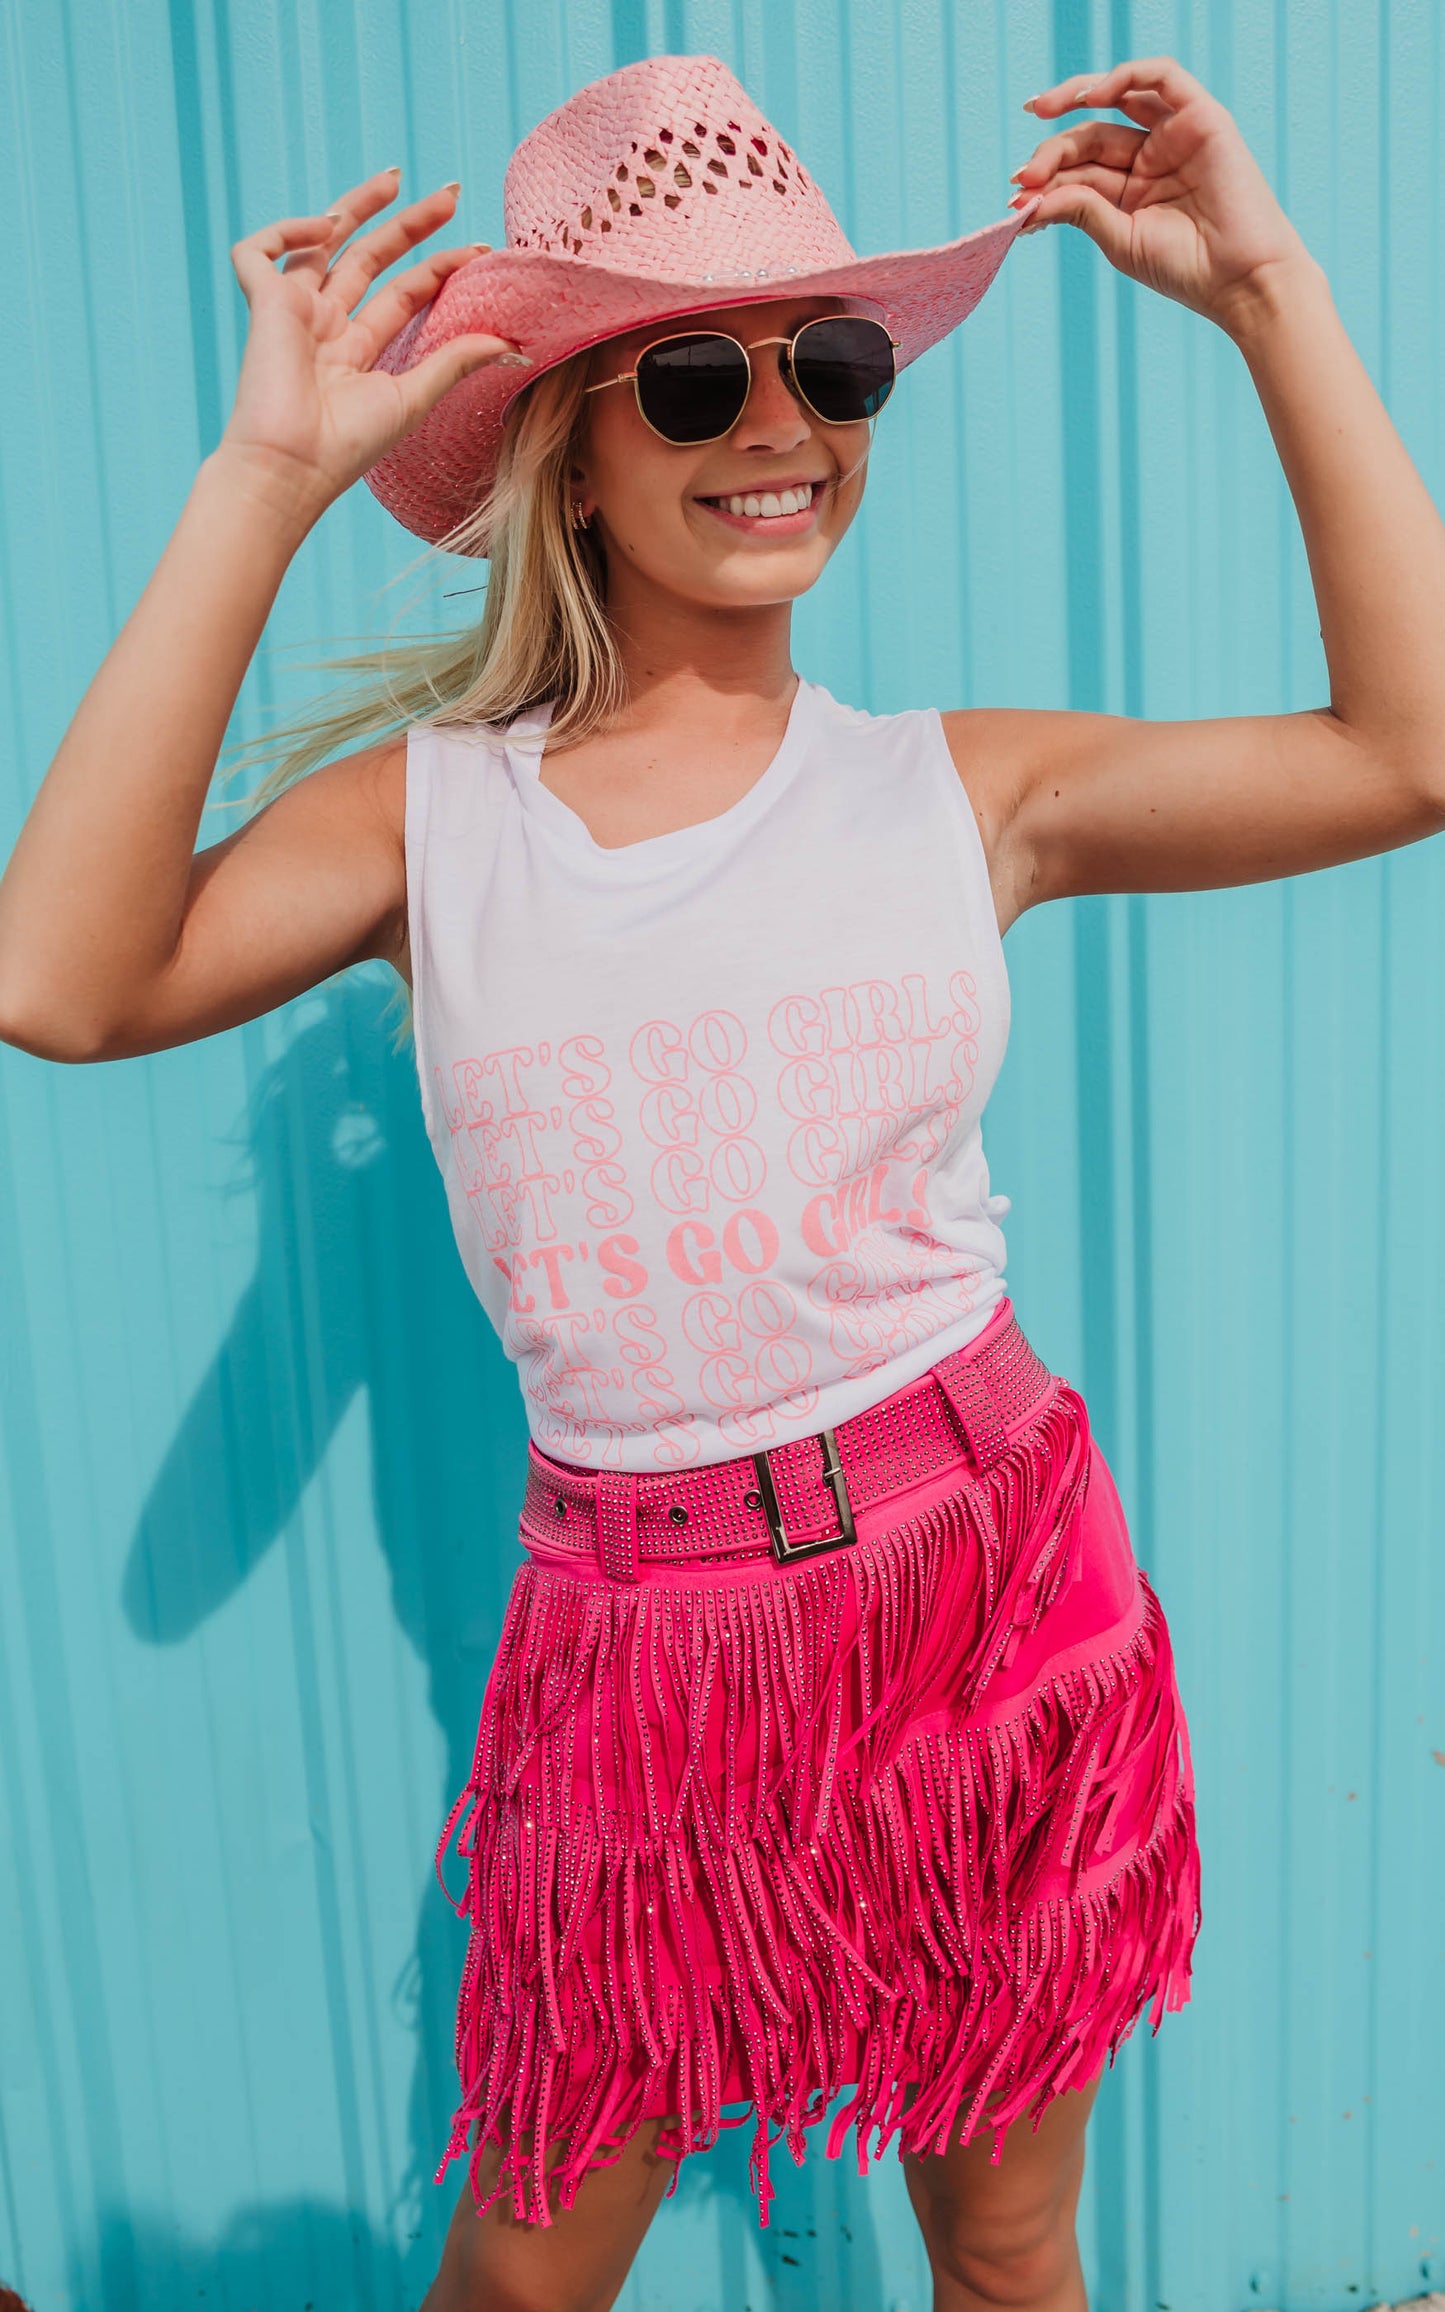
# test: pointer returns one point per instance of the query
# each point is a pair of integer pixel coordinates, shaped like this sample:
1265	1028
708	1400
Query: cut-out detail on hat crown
667	168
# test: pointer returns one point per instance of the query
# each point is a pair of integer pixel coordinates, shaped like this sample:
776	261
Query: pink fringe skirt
913	1819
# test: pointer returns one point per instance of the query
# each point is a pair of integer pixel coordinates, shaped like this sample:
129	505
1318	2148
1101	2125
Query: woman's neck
681	659
708	700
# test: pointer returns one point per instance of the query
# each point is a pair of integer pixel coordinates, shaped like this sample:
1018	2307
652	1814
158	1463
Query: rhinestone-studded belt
799	1498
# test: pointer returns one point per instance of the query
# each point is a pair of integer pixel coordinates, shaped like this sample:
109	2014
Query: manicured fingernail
332	216
1031	101
1085	93
393	171
1017	177
454	187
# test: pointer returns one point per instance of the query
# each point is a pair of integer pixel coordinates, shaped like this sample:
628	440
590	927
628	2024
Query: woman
833	1745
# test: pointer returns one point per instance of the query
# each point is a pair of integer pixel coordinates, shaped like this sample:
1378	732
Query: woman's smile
782	511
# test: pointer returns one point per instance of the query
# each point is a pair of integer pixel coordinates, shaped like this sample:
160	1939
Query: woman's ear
579	497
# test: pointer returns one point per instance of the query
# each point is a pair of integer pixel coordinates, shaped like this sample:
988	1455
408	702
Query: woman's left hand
1177	202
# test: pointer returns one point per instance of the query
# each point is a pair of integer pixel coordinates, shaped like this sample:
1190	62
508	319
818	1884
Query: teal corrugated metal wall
260	1461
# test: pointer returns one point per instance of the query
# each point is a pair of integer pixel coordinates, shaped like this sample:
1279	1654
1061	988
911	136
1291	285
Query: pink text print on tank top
708	1106
871	1077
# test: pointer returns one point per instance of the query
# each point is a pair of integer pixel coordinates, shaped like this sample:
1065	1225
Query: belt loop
617	1522
975	1405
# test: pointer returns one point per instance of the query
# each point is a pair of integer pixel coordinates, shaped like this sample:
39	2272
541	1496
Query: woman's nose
772	408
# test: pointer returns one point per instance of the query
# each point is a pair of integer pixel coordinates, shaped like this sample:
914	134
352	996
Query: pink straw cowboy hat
657	190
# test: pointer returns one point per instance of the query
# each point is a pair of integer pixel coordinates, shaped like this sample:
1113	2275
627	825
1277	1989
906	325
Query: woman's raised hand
311	411
1178	201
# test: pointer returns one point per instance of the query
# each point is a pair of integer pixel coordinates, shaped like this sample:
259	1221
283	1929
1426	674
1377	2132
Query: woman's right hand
311	412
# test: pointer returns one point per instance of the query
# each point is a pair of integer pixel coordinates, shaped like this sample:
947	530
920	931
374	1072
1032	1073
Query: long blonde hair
542	634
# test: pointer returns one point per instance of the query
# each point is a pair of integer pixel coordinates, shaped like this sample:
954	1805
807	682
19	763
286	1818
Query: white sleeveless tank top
707	1106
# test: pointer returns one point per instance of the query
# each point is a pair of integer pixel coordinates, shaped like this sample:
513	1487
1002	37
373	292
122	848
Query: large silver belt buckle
786	1551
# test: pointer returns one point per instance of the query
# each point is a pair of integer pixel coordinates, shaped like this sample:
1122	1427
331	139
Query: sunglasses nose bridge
754	353
785	367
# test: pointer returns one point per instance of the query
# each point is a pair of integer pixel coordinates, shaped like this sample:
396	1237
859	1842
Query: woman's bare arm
1093	802
115	936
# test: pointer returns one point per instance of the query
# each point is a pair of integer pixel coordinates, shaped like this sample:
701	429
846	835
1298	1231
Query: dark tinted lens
844	366
692	389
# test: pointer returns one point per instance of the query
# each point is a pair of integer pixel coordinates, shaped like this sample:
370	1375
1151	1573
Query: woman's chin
753	581
769	569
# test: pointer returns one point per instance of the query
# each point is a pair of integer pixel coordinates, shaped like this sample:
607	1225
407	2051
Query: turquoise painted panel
260	1459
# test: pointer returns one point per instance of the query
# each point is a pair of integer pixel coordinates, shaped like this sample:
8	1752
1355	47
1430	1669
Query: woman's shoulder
436	748
981	756
376	779
967	730
869	740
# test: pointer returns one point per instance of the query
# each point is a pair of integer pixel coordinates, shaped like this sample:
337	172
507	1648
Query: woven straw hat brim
555	306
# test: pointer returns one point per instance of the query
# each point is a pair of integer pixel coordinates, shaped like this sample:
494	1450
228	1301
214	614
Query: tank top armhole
960	803
420	746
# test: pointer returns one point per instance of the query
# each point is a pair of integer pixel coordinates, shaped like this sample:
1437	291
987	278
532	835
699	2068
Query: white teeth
771	502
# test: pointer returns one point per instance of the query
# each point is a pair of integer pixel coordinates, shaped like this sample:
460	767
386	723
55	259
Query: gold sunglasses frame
788	375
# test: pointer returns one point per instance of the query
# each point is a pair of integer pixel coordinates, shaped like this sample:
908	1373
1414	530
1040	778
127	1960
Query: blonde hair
543	632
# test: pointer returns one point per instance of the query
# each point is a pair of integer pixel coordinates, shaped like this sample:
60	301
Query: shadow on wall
358	1285
312	2257
296	2253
